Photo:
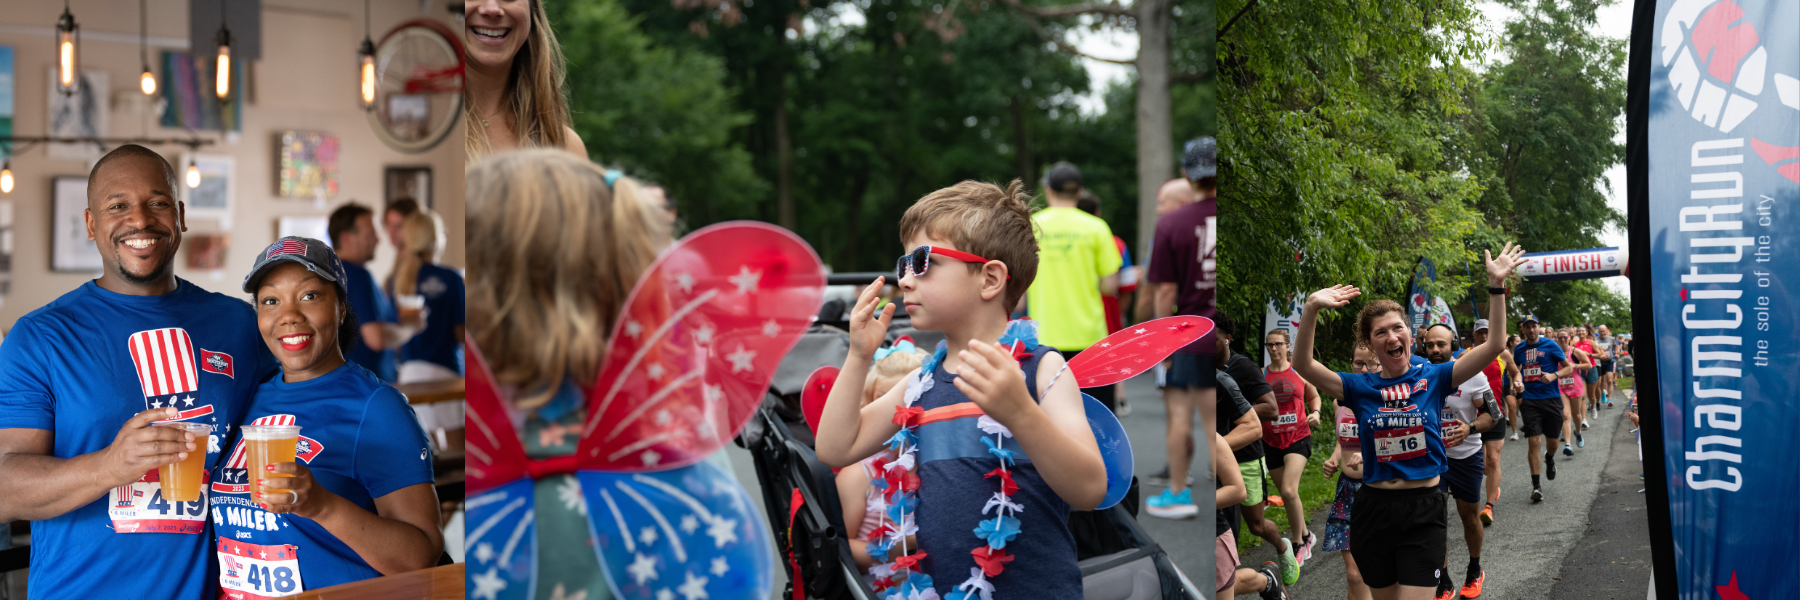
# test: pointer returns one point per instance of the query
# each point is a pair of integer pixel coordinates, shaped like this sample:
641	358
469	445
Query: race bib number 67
1399	444
256	572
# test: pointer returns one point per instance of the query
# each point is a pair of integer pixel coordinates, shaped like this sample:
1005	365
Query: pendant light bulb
367	70
67	57
6	178
223	74
193	176
147	82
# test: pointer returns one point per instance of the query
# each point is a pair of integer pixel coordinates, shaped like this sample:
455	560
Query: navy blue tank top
953	489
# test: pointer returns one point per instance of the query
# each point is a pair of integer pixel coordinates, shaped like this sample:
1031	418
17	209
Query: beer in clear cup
181	481
265	445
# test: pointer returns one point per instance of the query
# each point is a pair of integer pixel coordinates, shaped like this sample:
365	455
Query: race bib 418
257	572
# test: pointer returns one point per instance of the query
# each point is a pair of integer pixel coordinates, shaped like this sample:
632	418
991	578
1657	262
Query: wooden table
432	392
436	583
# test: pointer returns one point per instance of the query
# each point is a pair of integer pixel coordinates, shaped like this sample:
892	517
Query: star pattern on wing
1140	331
488	585
689	524
647	535
704	335
642	569
633	328
693	588
662	417
740	359
746	280
711	393
771	328
722	530
665	594
720	567
484	552
685	282
655	371
650	458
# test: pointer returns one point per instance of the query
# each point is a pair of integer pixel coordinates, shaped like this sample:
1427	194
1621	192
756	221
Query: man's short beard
156	275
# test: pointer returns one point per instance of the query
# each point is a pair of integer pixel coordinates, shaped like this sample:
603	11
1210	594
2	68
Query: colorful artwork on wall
187	83
308	165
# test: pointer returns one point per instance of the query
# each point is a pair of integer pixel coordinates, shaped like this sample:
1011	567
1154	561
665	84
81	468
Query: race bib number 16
139	507
256	572
1399	444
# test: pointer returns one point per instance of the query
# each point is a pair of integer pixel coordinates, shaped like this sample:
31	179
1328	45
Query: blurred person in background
514	93
352	231
393	216
427	292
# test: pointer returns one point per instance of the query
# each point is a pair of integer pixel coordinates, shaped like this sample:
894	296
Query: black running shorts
1277	457
1541	416
1397	536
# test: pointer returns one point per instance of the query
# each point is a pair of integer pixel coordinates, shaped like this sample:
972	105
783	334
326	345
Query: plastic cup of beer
182	479
266	445
411	308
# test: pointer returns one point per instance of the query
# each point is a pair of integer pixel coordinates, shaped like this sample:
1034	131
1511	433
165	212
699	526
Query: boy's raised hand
993	380
867	329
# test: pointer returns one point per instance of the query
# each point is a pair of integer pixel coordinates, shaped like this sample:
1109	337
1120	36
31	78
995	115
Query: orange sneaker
1445	594
1487	514
1276	501
1473	589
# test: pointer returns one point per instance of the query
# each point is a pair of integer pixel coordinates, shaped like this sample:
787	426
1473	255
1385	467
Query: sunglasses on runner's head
918	261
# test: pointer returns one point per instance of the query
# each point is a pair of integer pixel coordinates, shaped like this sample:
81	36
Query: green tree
1545	126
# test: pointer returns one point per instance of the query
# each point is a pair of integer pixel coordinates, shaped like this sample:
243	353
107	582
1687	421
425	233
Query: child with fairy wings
973	424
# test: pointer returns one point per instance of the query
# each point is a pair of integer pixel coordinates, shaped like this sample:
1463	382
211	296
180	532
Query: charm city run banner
1722	175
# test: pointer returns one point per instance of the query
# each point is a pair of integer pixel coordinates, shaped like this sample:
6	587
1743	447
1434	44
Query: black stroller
1118	559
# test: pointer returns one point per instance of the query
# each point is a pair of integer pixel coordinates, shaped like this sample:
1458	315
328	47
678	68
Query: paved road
1530	545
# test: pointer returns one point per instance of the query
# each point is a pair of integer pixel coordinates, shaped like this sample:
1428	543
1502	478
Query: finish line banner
1722	154
1592	263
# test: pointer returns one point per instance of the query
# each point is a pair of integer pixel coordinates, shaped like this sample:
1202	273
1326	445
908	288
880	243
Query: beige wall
305	80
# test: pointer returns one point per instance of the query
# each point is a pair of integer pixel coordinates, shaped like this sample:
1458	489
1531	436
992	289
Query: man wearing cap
1077	263
1541	363
1183	276
1502	376
83	378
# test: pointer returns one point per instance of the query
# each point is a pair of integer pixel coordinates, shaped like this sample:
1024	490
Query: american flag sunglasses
918	261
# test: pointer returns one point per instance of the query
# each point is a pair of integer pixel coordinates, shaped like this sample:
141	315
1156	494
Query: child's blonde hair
553	253
888	371
984	220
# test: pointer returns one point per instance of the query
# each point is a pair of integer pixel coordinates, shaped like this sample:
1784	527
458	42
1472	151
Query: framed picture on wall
212	198
70	248
306	165
409	182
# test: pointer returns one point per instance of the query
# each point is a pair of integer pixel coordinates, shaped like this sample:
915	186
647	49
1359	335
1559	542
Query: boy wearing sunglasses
982	416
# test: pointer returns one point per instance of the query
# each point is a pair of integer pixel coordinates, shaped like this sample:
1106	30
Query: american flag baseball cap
313	254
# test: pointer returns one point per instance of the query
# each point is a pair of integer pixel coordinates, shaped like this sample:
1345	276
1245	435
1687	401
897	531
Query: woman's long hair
422	236
534	94
553	254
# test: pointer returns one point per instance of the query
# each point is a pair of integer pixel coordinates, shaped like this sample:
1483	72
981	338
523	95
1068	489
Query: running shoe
1305	552
1515	436
1276	591
1550	464
1567	449
1487	514
1472	589
1124	409
1277	501
1290	565
1445	591
1173	506
1580	442
1584	423
1537	495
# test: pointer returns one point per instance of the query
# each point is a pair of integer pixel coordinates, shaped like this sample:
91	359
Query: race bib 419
139	507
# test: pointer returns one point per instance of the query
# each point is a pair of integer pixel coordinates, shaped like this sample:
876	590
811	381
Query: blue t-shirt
1536	359
81	366
1417	360
369	305
360	440
437	343
1399	420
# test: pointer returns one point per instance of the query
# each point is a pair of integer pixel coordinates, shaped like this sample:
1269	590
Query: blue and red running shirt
1398	420
82	365
1536	359
359	439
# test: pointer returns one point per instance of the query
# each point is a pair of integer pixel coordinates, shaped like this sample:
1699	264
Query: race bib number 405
140	508
1399	444
256	572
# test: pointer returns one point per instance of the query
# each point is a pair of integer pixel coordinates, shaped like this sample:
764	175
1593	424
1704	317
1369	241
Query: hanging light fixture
6	178
147	81
193	176
366	54
68	64
223	74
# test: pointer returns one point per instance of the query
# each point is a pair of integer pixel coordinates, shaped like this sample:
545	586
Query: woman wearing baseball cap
357	500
